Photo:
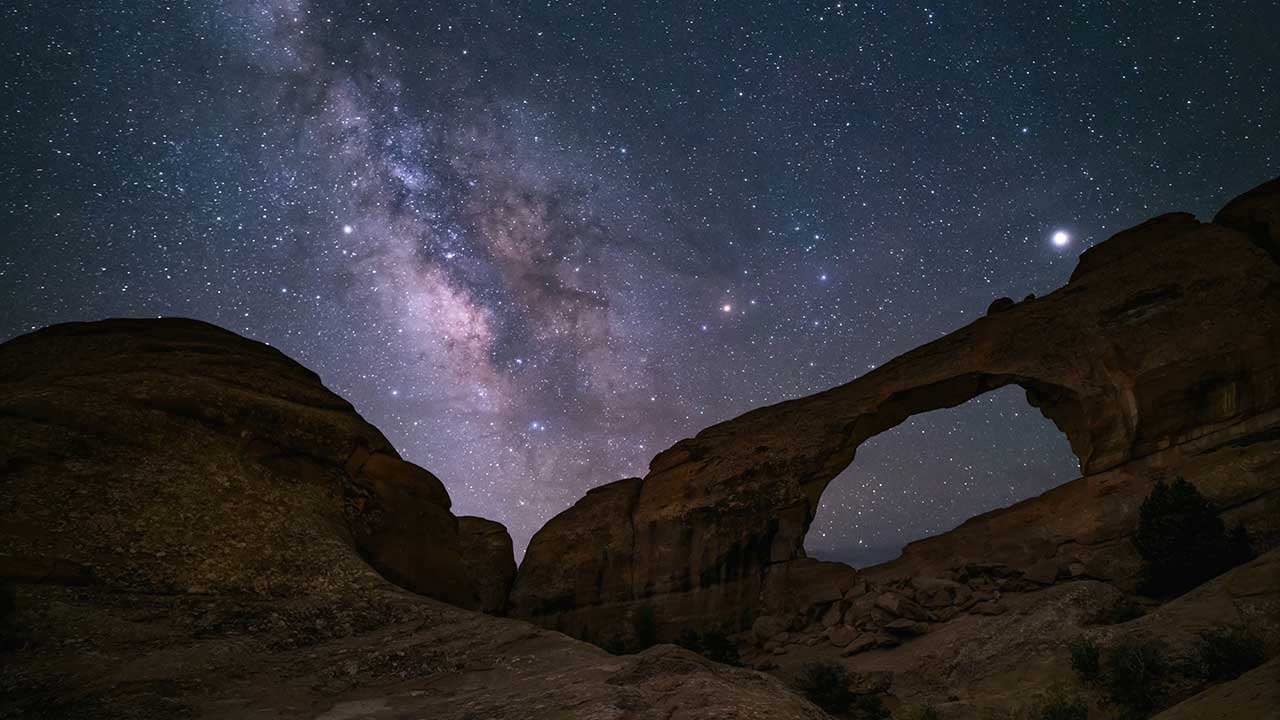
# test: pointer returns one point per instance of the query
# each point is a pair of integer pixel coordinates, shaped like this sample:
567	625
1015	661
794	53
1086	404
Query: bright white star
1061	238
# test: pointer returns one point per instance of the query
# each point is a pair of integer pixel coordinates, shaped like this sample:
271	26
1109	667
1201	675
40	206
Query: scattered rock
842	635
767	626
899	606
903	626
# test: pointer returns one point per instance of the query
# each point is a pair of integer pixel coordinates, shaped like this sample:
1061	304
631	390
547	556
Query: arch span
1164	339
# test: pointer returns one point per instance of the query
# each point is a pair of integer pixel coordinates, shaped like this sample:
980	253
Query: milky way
536	244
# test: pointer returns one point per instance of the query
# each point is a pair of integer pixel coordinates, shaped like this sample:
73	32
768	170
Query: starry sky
537	243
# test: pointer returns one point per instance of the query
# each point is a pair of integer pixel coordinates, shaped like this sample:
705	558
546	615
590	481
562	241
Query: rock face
490	559
174	456
189	526
1161	356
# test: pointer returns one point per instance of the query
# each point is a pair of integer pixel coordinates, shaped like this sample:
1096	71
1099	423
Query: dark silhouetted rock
188	521
490	559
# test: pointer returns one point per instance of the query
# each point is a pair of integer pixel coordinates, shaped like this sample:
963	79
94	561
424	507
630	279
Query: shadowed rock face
174	456
188	521
1161	352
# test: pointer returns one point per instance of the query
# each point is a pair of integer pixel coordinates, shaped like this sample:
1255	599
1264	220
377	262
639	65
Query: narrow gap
936	470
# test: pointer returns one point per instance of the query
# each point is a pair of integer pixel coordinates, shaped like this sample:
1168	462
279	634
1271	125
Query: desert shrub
1061	706
1227	653
868	707
713	646
644	627
1135	676
614	646
717	646
1122	611
826	684
1086	658
1182	541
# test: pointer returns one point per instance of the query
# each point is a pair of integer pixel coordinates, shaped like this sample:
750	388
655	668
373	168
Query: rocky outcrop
1161	356
189	526
490	559
173	456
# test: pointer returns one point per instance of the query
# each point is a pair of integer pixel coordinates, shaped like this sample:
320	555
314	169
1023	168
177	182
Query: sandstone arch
1163	344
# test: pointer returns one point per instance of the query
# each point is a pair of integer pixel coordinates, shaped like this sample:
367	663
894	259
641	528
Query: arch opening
928	461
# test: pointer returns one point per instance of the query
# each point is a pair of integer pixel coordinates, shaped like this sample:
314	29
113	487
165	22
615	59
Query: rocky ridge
191	525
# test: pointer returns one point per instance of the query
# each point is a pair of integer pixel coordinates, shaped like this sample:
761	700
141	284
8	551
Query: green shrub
1182	541
1061	706
1086	658
826	684
1135	676
1227	653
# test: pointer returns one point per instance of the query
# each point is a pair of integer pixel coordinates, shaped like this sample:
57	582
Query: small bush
713	646
1086	658
1124	610
1227	653
868	707
1061	706
1135	676
1182	541
826	684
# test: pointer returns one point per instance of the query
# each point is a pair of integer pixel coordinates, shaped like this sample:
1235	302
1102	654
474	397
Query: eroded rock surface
173	456
1160	356
189	526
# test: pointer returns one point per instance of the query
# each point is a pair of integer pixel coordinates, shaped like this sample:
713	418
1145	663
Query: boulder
903	626
767	626
1044	572
901	607
989	607
842	635
937	593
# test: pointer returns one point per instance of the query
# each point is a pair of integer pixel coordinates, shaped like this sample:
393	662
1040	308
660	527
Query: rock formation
190	525
1161	356
111	431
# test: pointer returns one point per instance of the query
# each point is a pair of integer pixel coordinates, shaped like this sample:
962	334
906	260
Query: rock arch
1165	339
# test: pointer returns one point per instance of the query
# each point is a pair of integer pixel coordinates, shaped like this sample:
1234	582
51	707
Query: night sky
536	244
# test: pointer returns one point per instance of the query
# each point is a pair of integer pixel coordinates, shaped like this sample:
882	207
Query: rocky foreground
191	525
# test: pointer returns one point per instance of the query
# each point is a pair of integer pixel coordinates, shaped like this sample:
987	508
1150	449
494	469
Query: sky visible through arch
936	470
537	243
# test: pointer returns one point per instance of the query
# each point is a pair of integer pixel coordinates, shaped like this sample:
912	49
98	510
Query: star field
537	243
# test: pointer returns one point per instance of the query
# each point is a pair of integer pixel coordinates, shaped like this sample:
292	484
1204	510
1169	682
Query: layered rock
173	456
190	525
1160	356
